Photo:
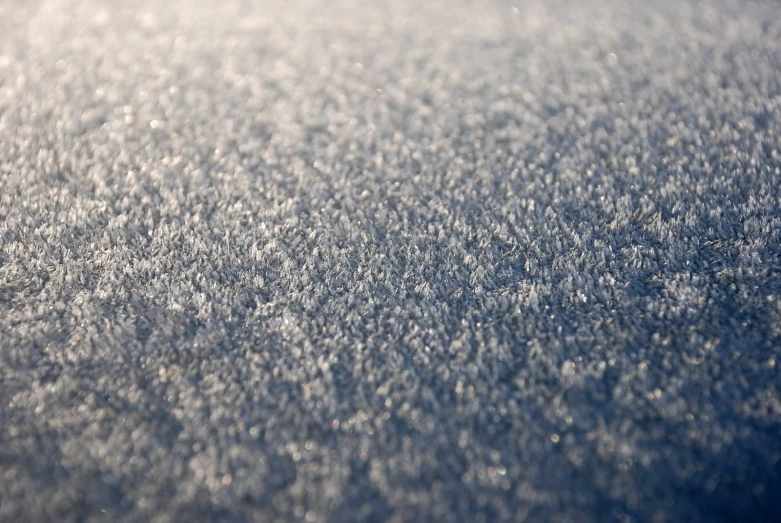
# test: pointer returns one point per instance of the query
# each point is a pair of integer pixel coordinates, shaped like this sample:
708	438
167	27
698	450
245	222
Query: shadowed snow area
405	261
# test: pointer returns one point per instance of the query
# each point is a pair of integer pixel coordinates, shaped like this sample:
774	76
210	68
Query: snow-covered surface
338	260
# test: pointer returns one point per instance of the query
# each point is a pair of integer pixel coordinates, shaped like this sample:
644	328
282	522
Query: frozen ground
408	261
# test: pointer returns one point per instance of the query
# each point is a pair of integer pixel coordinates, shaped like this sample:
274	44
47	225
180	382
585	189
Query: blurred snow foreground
337	261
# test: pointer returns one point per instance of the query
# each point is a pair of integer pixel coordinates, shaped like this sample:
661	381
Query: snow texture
406	261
